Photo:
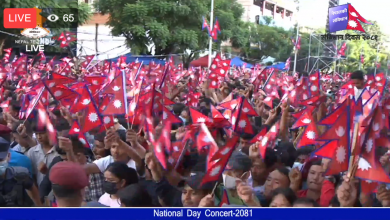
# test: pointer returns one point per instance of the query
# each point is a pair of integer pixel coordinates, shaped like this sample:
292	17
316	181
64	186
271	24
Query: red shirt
327	193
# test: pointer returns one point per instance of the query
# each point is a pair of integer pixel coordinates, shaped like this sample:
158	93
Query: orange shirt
327	193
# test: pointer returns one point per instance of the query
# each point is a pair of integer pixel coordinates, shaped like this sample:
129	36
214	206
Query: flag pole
296	50
360	58
337	57
376	59
211	27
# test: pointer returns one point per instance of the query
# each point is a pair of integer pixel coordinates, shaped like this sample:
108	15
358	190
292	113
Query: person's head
283	197
261	168
226	91
205	103
22	141
315	177
62	126
14	109
194	191
305	202
68	182
287	153
238	165
183	94
41	134
358	79
303	154
117	176
245	140
277	178
134	195
5	132
79	150
118	153
99	149
178	108
185	113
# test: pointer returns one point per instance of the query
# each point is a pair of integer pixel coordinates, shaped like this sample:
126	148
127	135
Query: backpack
17	197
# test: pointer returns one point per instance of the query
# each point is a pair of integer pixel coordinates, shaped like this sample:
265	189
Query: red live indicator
20	18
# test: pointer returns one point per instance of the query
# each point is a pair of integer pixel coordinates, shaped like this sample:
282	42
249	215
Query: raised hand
347	193
295	177
207	201
246	193
131	137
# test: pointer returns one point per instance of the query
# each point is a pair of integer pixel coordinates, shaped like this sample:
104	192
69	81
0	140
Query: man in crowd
18	187
68	181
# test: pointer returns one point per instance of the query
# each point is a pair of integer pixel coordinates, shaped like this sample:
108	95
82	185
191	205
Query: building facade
282	11
94	37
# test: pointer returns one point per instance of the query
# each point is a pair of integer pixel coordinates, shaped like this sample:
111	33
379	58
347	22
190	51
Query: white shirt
357	92
105	199
103	163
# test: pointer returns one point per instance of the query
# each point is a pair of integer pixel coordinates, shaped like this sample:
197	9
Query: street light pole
211	27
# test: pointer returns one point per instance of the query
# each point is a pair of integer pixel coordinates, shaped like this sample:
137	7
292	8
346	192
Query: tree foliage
173	26
268	40
369	48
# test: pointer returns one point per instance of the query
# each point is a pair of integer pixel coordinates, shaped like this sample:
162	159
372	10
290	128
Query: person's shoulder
104	159
19	173
19	155
104	199
103	162
33	149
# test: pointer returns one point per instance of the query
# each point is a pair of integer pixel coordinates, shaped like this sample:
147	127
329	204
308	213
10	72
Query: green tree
267	20
374	29
172	26
267	41
84	13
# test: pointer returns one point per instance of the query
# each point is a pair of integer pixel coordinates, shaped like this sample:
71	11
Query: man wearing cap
15	182
68	180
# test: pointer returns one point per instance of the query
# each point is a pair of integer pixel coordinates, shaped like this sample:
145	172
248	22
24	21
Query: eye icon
52	18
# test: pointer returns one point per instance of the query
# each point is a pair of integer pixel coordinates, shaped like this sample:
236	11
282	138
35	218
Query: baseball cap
4	148
239	161
195	181
68	174
4	129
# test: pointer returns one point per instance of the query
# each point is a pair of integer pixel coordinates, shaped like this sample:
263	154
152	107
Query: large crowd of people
202	153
